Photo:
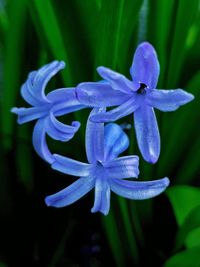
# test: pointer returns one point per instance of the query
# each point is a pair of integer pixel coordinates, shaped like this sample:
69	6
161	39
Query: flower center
142	89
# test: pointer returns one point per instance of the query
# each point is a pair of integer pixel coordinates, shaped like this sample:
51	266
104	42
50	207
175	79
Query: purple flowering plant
138	96
105	171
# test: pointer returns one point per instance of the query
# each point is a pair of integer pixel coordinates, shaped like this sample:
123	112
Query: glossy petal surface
123	167
29	114
169	100
116	113
94	139
102	196
64	101
70	166
60	131
39	141
145	67
117	81
33	89
71	193
138	190
99	95
147	133
115	141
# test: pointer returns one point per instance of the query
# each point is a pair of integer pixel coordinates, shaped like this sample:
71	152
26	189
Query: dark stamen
142	90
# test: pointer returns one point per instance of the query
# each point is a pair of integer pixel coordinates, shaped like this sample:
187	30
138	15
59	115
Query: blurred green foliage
86	34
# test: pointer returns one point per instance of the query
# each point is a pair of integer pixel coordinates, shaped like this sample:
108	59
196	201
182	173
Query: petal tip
47	201
166	181
105	213
152	159
100	69
14	110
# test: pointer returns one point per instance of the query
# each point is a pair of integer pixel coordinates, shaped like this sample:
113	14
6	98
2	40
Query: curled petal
33	89
147	133
39	141
102	196
124	167
71	193
115	141
169	100
138	190
99	95
70	166
94	138
145	67
58	130
117	81
117	113
29	114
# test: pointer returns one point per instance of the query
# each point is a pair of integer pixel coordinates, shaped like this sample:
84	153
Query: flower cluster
105	171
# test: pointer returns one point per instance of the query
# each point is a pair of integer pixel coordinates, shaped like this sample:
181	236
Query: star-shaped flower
105	171
138	96
45	108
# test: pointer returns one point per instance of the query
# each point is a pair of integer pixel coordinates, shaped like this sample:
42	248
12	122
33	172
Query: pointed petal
58	130
94	138
70	166
147	133
117	81
117	113
33	89
115	141
169	100
39	141
145	67
123	167
64	101
138	190
102	196
29	114
71	193
99	95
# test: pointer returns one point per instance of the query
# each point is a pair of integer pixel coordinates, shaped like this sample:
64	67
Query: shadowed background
164	231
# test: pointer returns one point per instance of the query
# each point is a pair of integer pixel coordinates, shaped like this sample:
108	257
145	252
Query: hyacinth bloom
138	96
45	108
105	171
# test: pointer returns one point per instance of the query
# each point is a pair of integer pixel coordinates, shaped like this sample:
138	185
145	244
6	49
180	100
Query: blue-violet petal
70	166
169	100
138	190
147	133
71	193
145	67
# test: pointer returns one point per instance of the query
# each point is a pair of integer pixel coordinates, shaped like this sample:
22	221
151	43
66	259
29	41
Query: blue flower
45	108
105	171
138	96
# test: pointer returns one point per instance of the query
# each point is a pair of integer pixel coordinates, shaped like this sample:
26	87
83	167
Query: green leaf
110	227
191	222
183	200
3	22
180	137
129	230
159	30
116	26
193	238
178	40
14	41
186	258
45	19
